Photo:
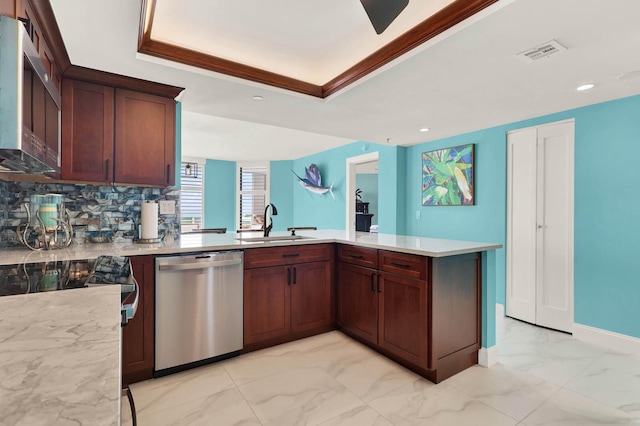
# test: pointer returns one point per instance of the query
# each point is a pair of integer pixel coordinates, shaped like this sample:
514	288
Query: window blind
253	197
191	199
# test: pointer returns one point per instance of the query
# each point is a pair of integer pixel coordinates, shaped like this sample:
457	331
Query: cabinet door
145	151
310	295
358	301
87	131
266	303
403	317
137	335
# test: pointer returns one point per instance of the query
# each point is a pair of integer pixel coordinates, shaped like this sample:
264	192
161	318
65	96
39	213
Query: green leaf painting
447	177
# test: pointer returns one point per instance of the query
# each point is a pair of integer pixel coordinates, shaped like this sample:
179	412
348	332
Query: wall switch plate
417	214
167	207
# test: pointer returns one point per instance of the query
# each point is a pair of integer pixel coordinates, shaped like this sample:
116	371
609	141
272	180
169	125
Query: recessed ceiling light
585	87
257	98
425	129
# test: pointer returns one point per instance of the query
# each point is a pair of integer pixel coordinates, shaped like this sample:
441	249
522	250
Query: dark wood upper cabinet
145	150
87	131
113	135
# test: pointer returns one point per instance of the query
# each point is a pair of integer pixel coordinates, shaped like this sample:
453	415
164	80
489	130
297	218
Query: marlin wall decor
313	181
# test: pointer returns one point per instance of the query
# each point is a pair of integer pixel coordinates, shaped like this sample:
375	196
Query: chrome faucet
274	212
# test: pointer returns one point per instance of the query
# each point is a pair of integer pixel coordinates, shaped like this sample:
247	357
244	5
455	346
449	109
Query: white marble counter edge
191	244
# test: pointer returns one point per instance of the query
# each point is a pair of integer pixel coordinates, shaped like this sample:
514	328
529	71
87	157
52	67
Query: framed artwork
447	176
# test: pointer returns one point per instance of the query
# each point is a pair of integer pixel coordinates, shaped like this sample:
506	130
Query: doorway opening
361	165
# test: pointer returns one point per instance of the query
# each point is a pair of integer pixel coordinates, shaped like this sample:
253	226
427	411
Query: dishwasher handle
198	265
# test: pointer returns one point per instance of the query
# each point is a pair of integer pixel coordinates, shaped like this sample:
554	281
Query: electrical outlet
417	214
167	207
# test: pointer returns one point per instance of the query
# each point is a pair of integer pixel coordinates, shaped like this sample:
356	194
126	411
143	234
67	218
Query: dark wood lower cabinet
431	326
311	287
403	317
456	316
266	303
138	349
358	301
427	317
282	303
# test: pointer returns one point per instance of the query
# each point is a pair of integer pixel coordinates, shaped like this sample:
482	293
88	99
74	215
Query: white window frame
267	191
201	162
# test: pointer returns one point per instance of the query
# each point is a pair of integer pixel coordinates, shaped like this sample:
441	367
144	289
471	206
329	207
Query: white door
540	225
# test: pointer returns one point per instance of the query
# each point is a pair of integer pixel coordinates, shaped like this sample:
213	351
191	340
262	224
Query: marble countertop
60	358
185	243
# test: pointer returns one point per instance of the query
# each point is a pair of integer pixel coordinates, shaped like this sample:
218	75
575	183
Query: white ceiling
466	79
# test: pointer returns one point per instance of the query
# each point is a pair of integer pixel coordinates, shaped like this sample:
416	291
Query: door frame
351	187
571	215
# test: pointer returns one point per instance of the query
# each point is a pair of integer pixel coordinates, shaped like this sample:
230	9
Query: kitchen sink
274	238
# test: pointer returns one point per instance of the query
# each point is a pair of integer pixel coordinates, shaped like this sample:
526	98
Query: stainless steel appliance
199	309
30	104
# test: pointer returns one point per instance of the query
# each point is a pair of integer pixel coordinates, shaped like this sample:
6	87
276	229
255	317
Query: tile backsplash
95	210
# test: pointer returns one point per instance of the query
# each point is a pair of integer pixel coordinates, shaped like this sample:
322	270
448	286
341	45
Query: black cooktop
29	278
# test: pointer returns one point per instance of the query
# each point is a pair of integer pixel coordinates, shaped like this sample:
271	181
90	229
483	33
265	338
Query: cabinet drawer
358	256
408	265
274	256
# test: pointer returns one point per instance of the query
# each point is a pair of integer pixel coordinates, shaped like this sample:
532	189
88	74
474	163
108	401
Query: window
191	196
253	195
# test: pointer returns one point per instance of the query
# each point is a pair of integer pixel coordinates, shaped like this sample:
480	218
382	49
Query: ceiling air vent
546	49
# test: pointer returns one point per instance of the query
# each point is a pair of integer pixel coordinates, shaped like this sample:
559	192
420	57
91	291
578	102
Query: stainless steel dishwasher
199	309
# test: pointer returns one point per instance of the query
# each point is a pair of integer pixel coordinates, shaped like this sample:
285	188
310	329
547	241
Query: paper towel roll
149	220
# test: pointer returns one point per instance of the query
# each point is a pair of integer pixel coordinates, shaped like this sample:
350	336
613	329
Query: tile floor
543	378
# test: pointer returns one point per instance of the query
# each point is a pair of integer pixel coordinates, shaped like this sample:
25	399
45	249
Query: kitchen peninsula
426	275
186	243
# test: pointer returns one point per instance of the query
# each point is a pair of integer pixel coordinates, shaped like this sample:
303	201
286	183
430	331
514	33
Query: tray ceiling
316	48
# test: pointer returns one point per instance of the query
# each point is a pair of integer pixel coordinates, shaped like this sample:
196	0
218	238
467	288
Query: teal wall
368	183
606	270
220	194
326	213
281	194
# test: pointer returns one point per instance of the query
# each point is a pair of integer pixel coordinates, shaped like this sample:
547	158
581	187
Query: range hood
29	105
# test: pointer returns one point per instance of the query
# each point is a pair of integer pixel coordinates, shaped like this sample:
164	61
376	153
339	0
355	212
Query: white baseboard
613	341
488	357
499	310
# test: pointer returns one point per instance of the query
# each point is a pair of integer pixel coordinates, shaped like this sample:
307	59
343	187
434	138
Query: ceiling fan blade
383	12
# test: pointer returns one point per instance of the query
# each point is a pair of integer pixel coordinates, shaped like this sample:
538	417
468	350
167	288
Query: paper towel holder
140	239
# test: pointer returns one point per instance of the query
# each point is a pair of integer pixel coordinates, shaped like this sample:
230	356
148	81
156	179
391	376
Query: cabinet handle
355	256
106	169
295	275
288	276
379	289
168	172
400	265
373	283
291	255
